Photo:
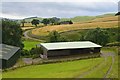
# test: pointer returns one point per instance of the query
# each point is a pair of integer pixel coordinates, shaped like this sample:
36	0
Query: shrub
35	52
25	52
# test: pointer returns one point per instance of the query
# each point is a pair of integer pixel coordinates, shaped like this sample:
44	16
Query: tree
35	22
52	20
54	36
11	33
98	36
23	21
45	21
70	22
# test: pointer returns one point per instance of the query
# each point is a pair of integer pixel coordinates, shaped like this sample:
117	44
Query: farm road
105	55
26	36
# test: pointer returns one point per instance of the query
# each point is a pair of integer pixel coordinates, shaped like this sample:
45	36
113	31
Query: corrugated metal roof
69	45
7	51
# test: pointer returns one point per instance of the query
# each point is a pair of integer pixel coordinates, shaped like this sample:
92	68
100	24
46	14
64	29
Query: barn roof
7	51
69	45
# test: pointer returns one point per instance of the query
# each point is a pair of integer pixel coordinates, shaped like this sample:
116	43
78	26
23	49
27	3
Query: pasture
57	70
87	68
29	44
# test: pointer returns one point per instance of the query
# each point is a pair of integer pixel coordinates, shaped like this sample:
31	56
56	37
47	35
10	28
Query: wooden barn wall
52	53
79	51
13	59
97	50
2	63
58	53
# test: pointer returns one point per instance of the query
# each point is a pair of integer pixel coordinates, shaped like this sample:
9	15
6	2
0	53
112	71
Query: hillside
74	19
105	22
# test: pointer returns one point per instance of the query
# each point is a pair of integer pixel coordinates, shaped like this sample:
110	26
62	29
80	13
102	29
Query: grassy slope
100	71
67	69
57	70
28	44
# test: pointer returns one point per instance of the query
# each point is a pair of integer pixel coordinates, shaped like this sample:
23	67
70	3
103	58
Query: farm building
68	48
8	55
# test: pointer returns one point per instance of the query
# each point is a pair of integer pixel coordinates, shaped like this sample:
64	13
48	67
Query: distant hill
75	19
87	18
79	18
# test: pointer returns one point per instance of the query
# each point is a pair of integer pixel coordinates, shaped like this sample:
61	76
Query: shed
68	48
8	55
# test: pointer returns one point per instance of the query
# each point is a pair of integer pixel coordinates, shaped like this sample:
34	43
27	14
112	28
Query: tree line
46	21
97	35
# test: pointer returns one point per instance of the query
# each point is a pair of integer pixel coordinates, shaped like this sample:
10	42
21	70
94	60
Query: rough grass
57	70
100	71
29	44
69	69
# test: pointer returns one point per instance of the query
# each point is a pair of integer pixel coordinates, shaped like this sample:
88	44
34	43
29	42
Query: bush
25	52
35	52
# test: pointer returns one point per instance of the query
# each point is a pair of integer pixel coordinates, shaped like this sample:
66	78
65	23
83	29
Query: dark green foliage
118	35
66	22
23	21
45	21
63	39
11	33
54	36
98	36
34	52
25	52
35	22
54	20
70	22
113	34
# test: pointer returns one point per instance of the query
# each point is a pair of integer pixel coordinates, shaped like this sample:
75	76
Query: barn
68	48
8	55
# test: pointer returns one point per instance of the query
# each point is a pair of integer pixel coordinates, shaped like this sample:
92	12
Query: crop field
87	68
106	19
62	28
105	22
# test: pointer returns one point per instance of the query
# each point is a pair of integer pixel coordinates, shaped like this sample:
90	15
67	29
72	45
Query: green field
29	44
57	70
87	68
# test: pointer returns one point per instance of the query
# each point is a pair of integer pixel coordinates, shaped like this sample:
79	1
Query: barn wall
44	54
97	50
79	51
67	52
13	59
58	53
2	63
